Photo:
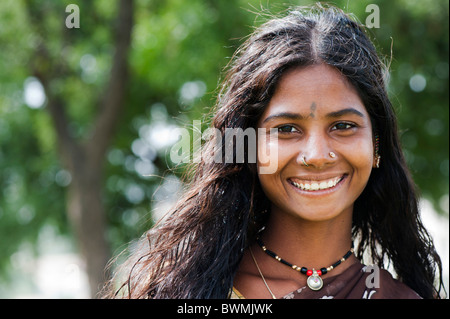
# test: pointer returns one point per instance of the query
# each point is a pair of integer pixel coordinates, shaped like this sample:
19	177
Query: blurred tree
82	156
95	144
83	77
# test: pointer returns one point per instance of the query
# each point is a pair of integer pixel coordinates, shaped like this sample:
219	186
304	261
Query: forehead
320	87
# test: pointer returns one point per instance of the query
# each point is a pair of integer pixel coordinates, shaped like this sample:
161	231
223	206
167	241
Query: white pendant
314	281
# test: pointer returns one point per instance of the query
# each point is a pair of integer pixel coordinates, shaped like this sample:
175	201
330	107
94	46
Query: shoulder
381	285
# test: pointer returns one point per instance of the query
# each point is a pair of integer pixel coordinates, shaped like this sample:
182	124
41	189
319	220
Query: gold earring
303	160
377	161
377	150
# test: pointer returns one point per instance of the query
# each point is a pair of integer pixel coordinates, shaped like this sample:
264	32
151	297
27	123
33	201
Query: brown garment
351	284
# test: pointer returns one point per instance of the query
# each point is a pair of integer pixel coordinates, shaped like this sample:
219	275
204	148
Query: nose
315	151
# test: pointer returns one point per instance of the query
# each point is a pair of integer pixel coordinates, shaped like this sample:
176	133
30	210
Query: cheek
269	167
274	155
273	158
268	164
363	155
267	152
361	159
273	188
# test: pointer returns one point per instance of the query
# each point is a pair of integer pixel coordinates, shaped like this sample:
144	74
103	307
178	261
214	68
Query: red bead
309	273
319	272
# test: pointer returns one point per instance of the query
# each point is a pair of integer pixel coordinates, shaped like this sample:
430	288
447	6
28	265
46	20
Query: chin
318	214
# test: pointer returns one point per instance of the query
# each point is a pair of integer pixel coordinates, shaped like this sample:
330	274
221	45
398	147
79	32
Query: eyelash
347	126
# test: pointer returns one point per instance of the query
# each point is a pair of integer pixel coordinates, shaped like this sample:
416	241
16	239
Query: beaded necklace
314	280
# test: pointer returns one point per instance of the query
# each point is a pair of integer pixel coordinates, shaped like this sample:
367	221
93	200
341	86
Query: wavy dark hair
196	251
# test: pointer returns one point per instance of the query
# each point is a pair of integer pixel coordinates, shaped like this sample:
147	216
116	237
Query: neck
311	244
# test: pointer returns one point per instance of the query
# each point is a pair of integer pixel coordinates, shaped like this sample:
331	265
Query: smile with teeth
316	185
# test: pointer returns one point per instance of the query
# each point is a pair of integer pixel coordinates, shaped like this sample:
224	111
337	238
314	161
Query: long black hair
196	251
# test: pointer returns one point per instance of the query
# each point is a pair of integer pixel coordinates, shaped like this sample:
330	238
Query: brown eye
343	126
287	129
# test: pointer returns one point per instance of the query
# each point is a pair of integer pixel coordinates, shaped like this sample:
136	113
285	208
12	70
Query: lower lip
320	192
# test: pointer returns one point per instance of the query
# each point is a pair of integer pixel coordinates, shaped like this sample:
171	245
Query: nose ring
332	155
303	160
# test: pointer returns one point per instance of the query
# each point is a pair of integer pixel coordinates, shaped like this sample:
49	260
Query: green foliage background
175	42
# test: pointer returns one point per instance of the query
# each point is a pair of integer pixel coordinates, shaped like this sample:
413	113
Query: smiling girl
341	191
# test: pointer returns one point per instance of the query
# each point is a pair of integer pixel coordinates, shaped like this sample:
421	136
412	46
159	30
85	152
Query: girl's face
318	115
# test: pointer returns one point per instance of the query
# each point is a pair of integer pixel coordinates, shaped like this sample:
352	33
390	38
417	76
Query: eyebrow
297	116
343	112
284	115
